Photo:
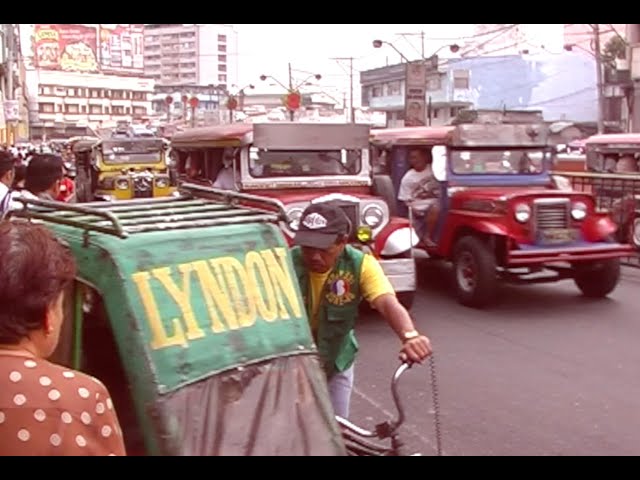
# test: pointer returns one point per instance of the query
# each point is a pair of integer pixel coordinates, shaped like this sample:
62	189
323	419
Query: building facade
80	76
198	54
562	86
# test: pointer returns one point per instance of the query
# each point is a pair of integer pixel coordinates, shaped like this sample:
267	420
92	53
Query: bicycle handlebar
391	426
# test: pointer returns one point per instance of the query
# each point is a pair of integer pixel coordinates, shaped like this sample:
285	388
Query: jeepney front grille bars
551	214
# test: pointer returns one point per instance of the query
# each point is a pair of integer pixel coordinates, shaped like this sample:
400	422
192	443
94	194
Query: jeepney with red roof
299	164
500	214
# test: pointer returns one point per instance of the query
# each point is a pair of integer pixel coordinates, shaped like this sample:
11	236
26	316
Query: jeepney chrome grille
552	214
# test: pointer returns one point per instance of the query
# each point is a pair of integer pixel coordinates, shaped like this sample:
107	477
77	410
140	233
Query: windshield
498	162
304	163
132	151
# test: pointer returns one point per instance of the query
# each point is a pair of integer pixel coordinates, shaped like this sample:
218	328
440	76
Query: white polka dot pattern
55	440
100	408
83	392
68	374
85	418
30	364
15	377
24	435
45	381
19	399
106	431
80	441
66	417
54	394
39	415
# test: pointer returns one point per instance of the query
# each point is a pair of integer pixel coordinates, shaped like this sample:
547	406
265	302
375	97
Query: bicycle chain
436	406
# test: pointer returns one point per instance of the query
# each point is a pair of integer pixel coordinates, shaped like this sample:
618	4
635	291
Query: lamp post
292	99
233	103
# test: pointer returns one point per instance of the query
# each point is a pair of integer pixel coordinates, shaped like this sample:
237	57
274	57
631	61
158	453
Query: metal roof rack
198	206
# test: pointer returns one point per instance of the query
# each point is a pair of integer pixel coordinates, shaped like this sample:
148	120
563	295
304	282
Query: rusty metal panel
300	136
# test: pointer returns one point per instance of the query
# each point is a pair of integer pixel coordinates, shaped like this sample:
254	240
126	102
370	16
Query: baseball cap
320	226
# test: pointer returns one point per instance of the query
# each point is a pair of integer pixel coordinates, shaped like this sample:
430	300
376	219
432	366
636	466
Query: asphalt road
543	372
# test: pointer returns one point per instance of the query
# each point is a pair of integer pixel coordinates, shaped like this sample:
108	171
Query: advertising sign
71	48
415	94
11	110
121	48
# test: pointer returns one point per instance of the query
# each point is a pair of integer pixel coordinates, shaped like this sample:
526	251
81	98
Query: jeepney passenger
627	164
225	179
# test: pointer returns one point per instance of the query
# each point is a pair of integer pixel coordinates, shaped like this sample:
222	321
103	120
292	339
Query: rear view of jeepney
203	343
501	213
131	167
299	164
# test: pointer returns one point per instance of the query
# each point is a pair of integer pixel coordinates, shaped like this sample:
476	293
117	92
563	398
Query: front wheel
474	267
599	279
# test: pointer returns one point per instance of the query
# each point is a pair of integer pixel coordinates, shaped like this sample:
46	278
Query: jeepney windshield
614	158
498	161
132	151
304	163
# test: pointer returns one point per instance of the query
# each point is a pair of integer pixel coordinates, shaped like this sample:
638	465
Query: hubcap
466	272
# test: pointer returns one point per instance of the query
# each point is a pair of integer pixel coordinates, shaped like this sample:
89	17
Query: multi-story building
80	76
198	54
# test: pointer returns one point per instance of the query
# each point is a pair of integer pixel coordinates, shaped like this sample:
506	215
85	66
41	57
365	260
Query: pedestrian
334	278
44	177
45	409
7	176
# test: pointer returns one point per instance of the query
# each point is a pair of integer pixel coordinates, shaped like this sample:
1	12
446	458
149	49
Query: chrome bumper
401	272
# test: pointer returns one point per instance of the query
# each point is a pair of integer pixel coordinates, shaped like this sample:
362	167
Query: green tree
615	48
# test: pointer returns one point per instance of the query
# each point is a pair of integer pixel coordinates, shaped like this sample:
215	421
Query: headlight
636	232
293	216
122	184
162	182
579	211
372	216
522	212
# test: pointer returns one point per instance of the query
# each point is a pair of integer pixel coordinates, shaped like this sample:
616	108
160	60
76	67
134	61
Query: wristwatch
410	334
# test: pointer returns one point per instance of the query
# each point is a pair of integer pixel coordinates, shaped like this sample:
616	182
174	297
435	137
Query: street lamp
293	98
454	48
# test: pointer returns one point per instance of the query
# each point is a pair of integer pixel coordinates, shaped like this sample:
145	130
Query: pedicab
203	342
500	215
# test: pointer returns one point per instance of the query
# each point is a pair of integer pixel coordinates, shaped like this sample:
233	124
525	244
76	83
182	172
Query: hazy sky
267	48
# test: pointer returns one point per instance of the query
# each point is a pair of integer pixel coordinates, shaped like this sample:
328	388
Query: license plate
553	236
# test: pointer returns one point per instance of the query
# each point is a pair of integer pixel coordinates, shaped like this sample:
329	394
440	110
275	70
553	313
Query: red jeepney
500	216
297	164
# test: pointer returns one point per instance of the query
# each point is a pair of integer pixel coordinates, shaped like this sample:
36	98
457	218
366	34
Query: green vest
338	309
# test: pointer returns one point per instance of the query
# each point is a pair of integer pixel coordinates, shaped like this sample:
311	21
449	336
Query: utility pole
351	100
291	112
598	52
633	38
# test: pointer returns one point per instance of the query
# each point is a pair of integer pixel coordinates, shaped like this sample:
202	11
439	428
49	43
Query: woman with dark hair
45	409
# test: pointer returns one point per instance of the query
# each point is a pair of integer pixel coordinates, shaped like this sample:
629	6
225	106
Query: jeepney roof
310	136
181	298
500	135
233	135
83	145
412	136
614	139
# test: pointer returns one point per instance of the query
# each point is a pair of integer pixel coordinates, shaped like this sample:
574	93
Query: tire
406	299
474	270
383	187
598	279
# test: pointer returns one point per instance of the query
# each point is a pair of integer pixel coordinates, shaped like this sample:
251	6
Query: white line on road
410	428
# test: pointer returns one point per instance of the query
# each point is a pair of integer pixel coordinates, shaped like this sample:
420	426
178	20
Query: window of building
140	96
127	110
95	93
222	38
95	109
394	88
222	58
83	109
72	109
376	91
59	107
71	92
117	95
46	108
222	48
461	79
434	83
436	112
139	111
222	67
117	110
222	78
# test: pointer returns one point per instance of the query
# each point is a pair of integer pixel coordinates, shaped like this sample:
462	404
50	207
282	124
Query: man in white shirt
419	190
7	172
225	179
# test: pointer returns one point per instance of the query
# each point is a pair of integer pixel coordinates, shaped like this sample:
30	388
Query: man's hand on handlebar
416	349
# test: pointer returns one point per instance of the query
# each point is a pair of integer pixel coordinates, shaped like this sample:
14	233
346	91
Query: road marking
410	428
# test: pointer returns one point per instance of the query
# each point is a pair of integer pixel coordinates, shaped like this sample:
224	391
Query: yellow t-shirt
373	283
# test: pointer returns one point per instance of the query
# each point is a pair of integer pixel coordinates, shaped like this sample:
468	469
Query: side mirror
439	165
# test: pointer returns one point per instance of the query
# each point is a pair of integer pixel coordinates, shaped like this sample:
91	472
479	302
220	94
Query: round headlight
372	216
579	211
294	216
122	184
162	182
522	212
636	232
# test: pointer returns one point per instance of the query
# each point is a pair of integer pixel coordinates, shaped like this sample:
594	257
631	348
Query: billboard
71	48
121	48
415	94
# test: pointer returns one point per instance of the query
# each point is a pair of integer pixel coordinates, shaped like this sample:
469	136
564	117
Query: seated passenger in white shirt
225	178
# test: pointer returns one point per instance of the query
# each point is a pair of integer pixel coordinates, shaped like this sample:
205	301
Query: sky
268	48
